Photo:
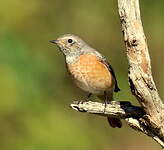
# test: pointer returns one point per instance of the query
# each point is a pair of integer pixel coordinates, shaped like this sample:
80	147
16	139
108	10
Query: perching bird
89	69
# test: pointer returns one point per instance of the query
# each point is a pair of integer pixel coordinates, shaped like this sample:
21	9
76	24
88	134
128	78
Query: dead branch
149	118
116	109
140	75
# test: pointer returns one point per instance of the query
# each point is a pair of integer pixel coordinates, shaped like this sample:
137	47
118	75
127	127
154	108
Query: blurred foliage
35	87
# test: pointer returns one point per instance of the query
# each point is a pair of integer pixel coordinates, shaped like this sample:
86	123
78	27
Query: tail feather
114	122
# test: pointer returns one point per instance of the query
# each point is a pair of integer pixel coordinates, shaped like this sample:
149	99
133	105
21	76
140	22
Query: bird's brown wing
106	63
114	122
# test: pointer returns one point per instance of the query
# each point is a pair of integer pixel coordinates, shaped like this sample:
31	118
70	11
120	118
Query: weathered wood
133	115
149	118
116	109
140	75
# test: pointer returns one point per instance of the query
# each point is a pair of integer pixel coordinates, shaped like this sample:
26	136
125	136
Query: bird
89	70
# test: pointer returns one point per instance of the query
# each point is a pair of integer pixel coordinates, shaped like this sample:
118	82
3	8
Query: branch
149	118
116	109
140	75
133	115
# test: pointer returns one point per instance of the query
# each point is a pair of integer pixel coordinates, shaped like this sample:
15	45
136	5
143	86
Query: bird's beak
54	41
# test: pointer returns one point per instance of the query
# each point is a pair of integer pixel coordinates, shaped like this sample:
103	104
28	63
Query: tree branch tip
75	105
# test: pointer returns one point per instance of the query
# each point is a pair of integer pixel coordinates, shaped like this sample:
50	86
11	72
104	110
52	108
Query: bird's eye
70	40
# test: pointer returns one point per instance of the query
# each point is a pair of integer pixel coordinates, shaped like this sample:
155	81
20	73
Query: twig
116	109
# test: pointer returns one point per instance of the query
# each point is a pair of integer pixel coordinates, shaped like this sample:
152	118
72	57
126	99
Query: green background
35	89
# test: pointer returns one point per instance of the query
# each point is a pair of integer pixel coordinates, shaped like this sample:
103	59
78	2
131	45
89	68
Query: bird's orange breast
90	74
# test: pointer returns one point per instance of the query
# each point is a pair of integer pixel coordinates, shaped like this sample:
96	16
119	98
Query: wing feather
106	63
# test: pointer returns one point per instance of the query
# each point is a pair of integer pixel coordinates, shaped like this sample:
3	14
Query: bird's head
69	44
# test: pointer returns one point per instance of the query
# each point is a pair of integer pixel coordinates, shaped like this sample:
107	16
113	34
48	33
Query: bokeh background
35	89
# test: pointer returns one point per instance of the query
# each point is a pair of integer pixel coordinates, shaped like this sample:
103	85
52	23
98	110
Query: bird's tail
113	122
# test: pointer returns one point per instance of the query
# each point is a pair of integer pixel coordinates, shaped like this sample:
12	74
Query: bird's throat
71	59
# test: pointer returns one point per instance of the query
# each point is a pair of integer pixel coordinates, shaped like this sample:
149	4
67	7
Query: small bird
90	70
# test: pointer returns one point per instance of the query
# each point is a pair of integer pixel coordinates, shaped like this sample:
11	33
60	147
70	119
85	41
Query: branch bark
149	118
115	109
133	115
140	76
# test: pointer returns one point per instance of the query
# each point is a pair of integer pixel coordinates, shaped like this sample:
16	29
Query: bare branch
133	115
140	75
149	118
141	80
116	109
